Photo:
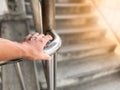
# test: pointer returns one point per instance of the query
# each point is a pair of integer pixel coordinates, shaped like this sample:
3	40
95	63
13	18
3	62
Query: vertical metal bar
36	75
37	15
45	70
48	14
20	75
55	70
48	22
51	73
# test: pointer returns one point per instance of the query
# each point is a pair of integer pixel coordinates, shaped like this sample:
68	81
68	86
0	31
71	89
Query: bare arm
30	48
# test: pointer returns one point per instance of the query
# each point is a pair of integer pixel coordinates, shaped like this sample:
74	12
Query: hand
34	44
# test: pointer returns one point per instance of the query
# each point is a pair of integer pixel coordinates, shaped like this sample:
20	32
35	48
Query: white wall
110	10
3	7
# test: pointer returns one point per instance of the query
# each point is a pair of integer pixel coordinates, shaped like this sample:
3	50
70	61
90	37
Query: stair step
107	82
71	4
92	45
74	16
76	68
76	22
85	35
71	1
73	39
62	8
76	72
82	30
71	23
85	50
65	9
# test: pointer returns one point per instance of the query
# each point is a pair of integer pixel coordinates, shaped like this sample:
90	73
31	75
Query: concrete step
107	82
75	21
71	1
66	9
85	50
75	72
80	35
65	17
80	30
71	22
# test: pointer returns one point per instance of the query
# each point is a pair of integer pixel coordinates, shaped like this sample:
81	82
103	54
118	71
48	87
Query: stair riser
70	1
77	38
74	23
85	53
74	10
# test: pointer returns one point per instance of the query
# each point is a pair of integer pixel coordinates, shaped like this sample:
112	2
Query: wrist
28	51
25	50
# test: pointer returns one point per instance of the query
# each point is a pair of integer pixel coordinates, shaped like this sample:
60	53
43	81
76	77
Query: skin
31	48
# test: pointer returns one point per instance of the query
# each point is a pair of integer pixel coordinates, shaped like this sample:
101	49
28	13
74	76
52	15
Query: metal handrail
53	46
50	49
44	19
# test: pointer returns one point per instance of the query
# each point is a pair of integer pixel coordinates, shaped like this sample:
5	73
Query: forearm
31	48
11	50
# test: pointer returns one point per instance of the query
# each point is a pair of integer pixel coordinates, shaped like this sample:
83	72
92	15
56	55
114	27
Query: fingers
45	39
49	37
28	37
37	36
42	38
38	42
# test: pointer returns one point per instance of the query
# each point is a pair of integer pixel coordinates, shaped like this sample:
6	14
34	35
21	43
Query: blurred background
89	58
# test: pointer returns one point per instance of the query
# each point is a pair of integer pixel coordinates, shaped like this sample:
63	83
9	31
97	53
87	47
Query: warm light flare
111	13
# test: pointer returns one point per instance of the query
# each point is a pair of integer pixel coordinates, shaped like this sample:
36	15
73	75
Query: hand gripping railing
50	48
44	19
50	66
54	45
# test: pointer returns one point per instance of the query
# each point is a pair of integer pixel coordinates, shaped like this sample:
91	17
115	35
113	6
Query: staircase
86	55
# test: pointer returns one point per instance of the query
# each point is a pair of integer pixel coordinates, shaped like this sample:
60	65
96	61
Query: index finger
46	39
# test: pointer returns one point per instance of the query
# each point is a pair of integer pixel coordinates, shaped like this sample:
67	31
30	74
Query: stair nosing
60	17
57	17
71	4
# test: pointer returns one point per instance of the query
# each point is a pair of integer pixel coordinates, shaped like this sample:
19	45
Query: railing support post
51	73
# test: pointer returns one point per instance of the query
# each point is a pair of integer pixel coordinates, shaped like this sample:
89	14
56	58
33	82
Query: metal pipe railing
44	19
